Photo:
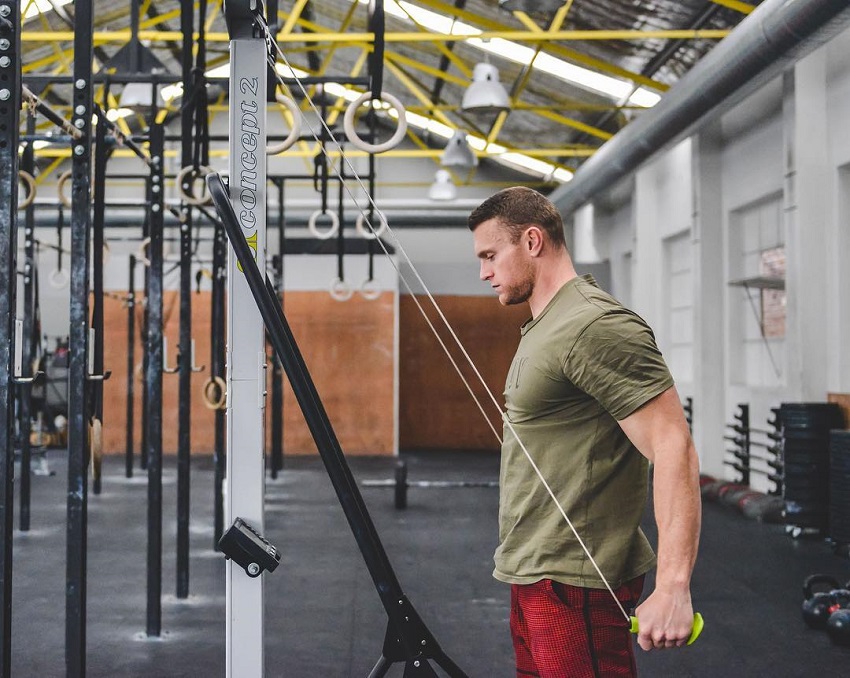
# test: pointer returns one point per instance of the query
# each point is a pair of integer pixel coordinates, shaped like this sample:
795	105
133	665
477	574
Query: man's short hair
516	209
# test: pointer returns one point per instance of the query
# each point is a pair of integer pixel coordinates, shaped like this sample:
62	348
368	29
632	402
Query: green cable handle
698	626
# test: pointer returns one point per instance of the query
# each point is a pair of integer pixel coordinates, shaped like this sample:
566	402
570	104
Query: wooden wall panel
349	350
347	346
436	410
843	400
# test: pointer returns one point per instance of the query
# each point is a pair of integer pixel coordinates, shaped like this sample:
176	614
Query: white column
809	190
246	352
590	243
709	298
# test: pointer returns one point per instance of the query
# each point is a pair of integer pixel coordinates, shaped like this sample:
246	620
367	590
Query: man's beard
517	294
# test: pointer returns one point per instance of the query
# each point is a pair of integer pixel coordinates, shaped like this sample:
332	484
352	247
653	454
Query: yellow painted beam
433	71
107	37
450	10
291	20
443	49
545	153
742	7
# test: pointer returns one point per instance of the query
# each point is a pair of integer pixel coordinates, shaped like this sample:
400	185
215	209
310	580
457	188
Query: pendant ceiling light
458	153
485	94
443	187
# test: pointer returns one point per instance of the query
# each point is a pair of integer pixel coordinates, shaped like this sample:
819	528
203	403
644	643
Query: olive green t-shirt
582	364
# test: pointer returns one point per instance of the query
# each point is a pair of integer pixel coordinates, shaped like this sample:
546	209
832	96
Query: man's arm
659	431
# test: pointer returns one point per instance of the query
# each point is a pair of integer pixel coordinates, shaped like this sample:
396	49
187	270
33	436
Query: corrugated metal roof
550	112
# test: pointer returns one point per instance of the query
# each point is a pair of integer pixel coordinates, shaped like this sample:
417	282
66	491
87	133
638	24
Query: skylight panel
31	8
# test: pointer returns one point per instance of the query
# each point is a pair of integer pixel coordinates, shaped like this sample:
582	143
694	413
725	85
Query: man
590	399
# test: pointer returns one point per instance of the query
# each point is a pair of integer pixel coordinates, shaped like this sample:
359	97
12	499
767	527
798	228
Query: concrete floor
323	617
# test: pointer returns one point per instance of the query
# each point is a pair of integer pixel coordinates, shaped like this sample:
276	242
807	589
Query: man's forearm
678	512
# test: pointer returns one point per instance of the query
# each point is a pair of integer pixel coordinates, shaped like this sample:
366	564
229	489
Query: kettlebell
816	606
838	627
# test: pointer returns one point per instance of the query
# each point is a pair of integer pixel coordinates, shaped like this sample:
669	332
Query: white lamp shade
443	188
485	94
458	153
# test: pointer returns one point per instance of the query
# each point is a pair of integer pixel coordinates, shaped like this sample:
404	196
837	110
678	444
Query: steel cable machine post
245	332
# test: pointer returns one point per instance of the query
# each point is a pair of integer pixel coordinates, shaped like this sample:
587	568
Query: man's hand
665	619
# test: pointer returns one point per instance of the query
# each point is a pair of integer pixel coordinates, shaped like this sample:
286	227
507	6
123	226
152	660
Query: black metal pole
143	450
217	369
277	383
24	390
131	367
184	443
78	401
153	377
98	220
10	120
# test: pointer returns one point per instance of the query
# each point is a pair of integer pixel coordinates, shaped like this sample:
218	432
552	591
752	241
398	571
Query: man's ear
533	240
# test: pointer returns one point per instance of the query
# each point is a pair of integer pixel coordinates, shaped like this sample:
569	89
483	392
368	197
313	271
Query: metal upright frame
10	109
78	372
245	335
153	382
29	328
191	83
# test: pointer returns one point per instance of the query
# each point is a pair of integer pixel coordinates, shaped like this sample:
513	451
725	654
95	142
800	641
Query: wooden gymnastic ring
28	180
96	446
219	402
202	171
323	235
351	132
294	133
368	231
370	289
60	188
340	290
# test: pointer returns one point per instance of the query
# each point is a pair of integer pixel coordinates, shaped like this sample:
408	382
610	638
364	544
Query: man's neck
551	277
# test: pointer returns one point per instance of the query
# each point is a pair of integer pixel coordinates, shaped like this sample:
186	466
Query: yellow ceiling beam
553	49
292	19
107	37
519	86
443	49
546	153
433	71
742	7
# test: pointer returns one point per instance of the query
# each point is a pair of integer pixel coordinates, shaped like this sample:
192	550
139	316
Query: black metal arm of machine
407	637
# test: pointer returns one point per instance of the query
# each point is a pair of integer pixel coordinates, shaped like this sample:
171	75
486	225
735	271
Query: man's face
506	266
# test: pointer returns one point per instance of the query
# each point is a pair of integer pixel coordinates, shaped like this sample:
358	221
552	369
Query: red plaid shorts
563	631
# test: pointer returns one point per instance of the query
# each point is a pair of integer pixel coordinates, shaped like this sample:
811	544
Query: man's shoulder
585	303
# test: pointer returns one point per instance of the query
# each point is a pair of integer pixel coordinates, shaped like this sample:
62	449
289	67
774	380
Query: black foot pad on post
248	549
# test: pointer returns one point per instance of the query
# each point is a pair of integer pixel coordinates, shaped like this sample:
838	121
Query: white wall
773	171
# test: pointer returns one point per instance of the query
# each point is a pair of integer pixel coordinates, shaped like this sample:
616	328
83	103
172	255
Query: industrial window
772	267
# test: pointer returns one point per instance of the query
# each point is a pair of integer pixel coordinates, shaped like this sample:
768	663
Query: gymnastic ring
220	401
294	133
96	447
60	187
58	279
340	290
323	235
202	171
27	179
140	253
351	133
370	289
371	233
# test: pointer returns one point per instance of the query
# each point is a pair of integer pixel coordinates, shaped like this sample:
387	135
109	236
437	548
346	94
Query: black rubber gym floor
323	617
